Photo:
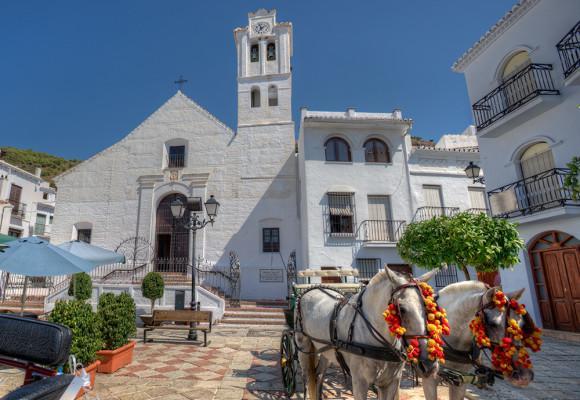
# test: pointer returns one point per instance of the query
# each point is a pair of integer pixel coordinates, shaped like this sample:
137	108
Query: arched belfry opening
171	238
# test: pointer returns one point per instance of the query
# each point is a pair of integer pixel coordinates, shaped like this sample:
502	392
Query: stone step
251	315
253	321
266	303
249	309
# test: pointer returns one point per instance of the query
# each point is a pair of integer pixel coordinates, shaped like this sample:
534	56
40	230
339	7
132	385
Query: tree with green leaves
571	180
485	243
153	287
81	286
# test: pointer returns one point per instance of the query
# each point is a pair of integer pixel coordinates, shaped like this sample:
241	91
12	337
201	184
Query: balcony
531	195
477	211
425	213
378	232
18	210
530	82
569	51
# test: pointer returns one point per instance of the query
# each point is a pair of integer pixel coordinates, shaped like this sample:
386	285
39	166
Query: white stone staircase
256	313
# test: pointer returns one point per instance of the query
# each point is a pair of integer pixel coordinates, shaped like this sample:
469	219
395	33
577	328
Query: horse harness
386	352
483	375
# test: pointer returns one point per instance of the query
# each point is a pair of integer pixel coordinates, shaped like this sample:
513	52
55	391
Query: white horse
462	301
312	319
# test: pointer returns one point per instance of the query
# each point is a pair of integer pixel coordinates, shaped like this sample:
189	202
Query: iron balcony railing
525	85
375	230
531	195
176	161
569	50
18	209
425	213
477	211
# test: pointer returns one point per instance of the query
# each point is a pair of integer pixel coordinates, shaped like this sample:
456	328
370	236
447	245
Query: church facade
274	199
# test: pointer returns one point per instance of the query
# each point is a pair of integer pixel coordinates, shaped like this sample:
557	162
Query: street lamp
194	223
472	172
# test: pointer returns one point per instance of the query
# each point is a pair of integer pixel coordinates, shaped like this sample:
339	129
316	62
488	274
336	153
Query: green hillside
29	160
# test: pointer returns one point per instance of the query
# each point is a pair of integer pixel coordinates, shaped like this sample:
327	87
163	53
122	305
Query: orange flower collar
437	325
515	339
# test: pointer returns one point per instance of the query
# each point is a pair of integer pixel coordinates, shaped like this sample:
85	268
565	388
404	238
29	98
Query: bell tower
264	52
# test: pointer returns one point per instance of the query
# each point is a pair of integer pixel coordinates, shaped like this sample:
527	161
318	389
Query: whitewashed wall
33	188
536	27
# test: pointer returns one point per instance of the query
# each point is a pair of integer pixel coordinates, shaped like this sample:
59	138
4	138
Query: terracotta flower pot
92	371
112	360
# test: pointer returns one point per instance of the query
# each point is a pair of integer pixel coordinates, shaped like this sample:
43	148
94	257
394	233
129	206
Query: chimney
350	112
38	171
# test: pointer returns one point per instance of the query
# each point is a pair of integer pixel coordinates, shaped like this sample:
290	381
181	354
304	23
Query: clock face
261	27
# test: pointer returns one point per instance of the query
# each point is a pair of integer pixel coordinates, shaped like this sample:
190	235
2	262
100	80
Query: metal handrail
539	192
428	212
569	50
376	230
525	85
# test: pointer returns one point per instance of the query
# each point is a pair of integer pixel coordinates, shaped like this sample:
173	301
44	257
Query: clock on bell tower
264	52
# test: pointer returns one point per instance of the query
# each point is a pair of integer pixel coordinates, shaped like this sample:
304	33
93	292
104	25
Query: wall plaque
272	275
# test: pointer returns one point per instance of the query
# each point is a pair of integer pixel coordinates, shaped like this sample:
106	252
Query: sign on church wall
272	275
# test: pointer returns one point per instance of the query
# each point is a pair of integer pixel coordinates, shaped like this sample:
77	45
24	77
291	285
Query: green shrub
85	327
117	316
81	286
153	287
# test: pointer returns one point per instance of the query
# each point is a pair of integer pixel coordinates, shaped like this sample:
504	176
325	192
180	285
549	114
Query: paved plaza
242	363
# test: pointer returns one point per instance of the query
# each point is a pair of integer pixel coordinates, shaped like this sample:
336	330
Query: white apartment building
362	182
26	202
523	80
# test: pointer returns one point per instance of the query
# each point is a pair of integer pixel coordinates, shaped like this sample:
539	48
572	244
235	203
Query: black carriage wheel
288	363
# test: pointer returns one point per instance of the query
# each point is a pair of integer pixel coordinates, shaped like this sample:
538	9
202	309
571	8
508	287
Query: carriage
344	281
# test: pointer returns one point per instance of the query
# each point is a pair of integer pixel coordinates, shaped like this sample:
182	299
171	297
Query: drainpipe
407	172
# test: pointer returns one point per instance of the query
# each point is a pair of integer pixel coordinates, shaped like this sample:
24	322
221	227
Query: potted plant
86	334
152	288
81	286
117	317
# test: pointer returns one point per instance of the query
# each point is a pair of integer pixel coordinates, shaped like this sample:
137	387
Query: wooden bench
169	319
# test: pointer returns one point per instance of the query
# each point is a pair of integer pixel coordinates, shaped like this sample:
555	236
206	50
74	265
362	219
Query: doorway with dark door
555	262
171	239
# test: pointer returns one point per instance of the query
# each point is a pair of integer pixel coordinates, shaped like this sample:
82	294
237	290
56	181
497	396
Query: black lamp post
194	223
472	172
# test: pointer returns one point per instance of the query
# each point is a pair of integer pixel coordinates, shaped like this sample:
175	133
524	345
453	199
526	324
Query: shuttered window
477	197
432	196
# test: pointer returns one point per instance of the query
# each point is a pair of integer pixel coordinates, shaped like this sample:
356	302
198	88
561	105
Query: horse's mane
462	287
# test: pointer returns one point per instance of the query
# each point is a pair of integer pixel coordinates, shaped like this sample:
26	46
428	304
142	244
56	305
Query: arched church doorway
171	238
555	261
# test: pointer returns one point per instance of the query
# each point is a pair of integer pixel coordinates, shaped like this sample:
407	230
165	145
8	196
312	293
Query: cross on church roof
180	82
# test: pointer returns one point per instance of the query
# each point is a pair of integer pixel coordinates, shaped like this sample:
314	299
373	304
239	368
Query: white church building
341	200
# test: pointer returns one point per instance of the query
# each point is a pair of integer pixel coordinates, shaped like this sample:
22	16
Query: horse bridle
413	283
528	326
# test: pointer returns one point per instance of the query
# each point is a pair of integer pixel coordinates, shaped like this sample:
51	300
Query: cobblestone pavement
242	363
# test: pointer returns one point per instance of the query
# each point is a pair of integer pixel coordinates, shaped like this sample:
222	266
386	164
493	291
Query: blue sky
77	76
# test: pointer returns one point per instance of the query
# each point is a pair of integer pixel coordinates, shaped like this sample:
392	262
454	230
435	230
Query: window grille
368	267
271	240
341	213
446	277
84	235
